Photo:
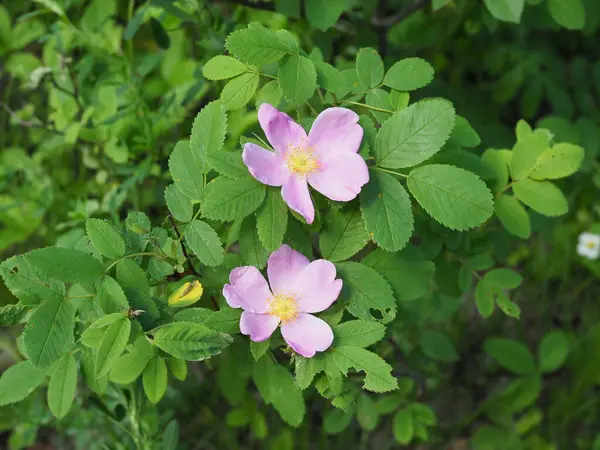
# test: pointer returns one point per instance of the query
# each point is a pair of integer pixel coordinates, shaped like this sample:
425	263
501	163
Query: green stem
374	108
266	75
81	296
135	255
506	188
390	171
183	232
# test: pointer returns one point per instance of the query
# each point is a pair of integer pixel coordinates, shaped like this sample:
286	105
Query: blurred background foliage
95	93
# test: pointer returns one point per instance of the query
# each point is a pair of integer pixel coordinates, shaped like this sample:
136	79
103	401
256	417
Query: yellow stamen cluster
302	160
591	245
284	307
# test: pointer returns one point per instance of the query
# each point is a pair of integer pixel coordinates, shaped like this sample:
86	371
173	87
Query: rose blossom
298	288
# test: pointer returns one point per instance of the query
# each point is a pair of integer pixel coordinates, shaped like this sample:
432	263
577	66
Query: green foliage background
483	325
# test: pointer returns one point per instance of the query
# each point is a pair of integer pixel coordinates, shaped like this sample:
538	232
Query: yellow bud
186	295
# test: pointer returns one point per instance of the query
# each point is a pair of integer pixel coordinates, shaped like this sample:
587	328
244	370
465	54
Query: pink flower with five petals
298	288
326	158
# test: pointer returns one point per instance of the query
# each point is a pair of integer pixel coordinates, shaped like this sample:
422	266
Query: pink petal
316	286
266	166
307	335
335	130
341	177
283	268
280	129
259	326
295	194
247	289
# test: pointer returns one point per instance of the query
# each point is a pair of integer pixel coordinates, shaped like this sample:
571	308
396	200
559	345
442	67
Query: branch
191	268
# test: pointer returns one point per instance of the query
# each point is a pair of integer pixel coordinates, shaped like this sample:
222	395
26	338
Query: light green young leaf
228	200
369	67
513	216
276	386
403	426
111	346
208	133
559	161
49	332
541	196
190	341
187	169
223	67
569	14
18	381
357	333
512	355
63	383
179	205
154	379
409	74
437	346
484	299
178	367
252	251
297	79
130	366
138	222
506	10
387	211
271	220
507	306
522	130
239	91
454	197
463	134
414	134
496	163
365	290
270	93
344	235
503	278
204	242
553	351
65	264
105	238
378	377
256	45
92	336
526	153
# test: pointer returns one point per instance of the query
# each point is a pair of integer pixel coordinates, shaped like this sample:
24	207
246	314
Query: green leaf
378	377
526	153
170	436
378	98
436	5
553	351
369	67
463	134
187	169
204	243
63	383
403	426
111	346
559	161
437	346
336	421
497	164
27	284
161	37
365	290
454	197
155	379
569	14
271	220
306	369
179	205
270	93
503	278
512	355
239	91
65	264
130	366
229	164
228	200
111	297
414	134
513	216
484	299
366	413
226	320
11	315
358	333
178	368
409	74
138	222
387	211
507	306
105	238
49	332
252	251
541	196
130	275
276	386
331	79
506	10
258	349
208	133
256	45
190	341
323	15
297	79
222	67
92	336
344	235
18	381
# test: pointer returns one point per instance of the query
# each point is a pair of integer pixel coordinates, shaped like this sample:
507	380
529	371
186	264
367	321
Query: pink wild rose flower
298	288
327	158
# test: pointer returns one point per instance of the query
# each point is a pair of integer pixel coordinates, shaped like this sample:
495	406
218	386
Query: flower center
284	307
591	245
301	160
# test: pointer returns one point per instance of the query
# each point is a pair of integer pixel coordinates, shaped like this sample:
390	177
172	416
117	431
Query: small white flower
589	245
